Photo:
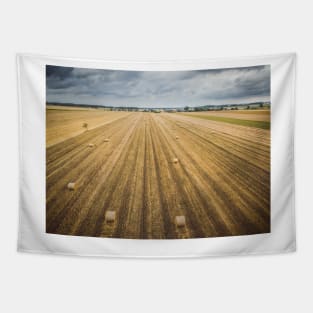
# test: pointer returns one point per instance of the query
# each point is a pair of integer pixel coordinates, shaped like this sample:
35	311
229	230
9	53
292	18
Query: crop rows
220	182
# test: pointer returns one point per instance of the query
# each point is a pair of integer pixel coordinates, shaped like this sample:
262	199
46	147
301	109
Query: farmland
250	118
151	168
65	122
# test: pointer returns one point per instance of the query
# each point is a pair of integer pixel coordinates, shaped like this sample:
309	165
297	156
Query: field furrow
150	169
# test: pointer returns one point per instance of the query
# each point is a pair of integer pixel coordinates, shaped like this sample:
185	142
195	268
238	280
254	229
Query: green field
249	123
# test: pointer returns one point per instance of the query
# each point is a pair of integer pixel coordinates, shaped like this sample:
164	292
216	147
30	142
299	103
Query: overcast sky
157	89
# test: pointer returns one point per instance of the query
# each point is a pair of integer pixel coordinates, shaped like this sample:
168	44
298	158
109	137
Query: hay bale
180	221
91	145
71	186
176	137
106	140
175	160
110	216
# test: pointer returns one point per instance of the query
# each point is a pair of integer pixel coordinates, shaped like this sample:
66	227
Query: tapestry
186	158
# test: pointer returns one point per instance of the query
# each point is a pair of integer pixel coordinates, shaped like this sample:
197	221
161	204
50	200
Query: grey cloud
58	71
175	88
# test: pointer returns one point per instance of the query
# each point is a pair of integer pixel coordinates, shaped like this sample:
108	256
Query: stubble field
220	181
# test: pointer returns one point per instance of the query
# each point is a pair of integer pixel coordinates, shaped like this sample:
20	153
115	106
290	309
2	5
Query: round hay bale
71	186
176	137
175	160
106	140
90	145
180	221
110	216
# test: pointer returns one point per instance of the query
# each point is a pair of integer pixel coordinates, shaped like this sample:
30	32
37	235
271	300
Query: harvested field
250	118
219	185
65	122
252	115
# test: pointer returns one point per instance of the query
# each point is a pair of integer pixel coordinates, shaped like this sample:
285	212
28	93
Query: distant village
249	106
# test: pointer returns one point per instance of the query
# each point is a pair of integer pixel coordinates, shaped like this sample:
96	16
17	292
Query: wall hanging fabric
156	159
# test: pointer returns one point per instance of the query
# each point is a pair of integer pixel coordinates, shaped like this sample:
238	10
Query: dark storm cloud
58	71
176	88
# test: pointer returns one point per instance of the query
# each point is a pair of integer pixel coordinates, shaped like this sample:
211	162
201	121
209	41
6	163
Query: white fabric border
32	236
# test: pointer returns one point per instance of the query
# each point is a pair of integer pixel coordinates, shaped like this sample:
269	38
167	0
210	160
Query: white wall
166	30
